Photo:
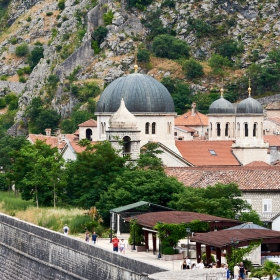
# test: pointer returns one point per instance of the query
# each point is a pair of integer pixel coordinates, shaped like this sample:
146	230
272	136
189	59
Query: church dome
221	106
141	93
122	118
249	106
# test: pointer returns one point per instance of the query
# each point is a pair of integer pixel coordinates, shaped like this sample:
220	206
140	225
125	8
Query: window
89	134
102	128
153	128
175	133
238	129
169	128
255	130
147	128
218	129
210	129
212	152
246	130
267	205
126	144
227	128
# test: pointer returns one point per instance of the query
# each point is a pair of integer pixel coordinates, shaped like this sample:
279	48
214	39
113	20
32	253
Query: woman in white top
122	246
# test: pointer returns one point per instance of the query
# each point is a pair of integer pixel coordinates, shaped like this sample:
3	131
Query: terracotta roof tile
275	120
73	140
185	128
273	106
198	152
192	120
89	123
248	178
257	163
273	140
52	141
177	217
221	238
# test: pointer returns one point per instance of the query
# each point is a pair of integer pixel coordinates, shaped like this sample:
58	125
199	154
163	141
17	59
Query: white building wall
222	120
247	155
69	154
182	135
276	224
82	133
271	128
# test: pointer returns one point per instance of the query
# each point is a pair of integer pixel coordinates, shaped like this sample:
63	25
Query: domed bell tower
123	133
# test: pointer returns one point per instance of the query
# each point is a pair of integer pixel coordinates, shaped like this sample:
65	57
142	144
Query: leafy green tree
143	55
219	200
268	269
140	4
200	27
170	47
61	5
108	17
2	103
22	50
193	69
100	34
228	47
12	101
91	174
32	168
218	62
46	119
148	157
135	185
35	55
84	92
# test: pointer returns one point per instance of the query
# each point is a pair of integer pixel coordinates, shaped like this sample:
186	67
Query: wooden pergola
222	240
149	220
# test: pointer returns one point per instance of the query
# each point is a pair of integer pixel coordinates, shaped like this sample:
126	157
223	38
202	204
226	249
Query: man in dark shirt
242	271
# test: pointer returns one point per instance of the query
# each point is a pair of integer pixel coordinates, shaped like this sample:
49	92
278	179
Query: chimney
193	108
48	131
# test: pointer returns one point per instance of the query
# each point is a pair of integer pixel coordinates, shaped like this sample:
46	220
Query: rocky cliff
66	34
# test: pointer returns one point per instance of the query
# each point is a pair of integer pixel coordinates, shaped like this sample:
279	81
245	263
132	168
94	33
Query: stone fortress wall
30	252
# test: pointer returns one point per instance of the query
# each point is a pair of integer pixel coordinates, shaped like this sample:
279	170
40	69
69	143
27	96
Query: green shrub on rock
22	50
193	69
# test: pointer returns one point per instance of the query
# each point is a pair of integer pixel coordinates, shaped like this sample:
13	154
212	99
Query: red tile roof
52	141
192	120
89	123
222	238
273	106
178	217
257	163
274	120
248	178
185	128
273	140
198	152
73	140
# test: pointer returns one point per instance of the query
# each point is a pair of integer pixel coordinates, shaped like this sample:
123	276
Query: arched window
218	129
126	145
102	128
211	129
227	129
153	128
89	134
147	128
255	129
246	130
169	128
238	129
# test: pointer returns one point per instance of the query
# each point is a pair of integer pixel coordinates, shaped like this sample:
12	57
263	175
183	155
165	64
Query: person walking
94	237
65	229
242	271
122	246
115	242
236	271
87	236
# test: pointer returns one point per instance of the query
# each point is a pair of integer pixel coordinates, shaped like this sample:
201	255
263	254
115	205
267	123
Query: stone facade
267	204
29	252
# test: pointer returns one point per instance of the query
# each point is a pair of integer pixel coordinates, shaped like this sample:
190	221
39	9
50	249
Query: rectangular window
267	205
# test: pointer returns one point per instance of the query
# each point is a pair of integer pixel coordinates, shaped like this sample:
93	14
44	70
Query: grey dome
221	106
141	93
249	106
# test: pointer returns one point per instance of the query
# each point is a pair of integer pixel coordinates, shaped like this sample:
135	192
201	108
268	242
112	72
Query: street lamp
188	230
234	243
134	232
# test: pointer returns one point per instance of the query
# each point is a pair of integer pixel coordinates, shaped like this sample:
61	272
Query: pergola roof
178	217
223	238
136	205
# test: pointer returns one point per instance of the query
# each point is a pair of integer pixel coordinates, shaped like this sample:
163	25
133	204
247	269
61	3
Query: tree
33	168
143	55
148	157
269	269
170	47
35	55
90	175
135	185
219	200
228	47
193	69
22	50
100	34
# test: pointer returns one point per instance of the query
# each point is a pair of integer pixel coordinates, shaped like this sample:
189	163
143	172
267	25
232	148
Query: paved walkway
147	257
